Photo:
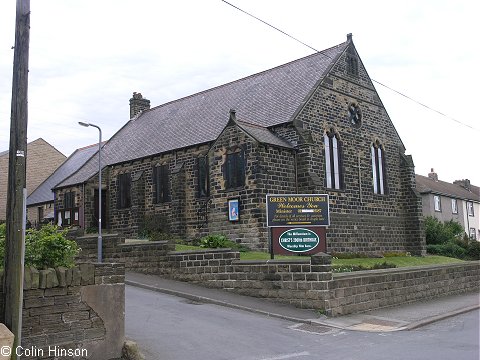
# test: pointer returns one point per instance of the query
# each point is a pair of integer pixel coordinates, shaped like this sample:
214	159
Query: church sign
298	210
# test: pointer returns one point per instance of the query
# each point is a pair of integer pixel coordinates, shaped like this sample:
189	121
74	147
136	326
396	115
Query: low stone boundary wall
366	290
304	282
79	311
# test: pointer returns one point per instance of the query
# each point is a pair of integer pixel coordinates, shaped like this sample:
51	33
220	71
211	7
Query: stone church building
313	125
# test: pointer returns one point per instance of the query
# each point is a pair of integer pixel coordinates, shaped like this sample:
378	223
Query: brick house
445	201
42	160
314	125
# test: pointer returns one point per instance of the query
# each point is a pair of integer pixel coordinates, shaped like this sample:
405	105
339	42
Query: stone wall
366	290
72	309
309	283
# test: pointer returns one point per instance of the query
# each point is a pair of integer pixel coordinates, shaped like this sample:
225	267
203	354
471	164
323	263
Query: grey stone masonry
58	309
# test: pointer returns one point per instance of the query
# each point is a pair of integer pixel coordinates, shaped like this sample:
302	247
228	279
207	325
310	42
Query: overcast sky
87	57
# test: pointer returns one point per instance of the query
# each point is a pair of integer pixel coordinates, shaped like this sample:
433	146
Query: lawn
399	261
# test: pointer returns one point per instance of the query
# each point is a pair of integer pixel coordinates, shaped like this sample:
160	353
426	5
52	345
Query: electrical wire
329	57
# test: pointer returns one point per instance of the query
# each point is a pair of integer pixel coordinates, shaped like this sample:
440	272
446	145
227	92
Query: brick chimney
433	175
465	183
138	103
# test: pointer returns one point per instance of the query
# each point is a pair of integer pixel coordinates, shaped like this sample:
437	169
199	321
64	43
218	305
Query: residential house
445	201
313	125
42	160
40	203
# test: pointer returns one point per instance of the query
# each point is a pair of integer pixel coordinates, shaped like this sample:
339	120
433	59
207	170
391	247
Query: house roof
266	99
43	193
426	185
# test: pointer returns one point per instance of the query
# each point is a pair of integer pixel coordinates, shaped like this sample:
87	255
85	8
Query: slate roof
43	193
263	135
426	185
266	99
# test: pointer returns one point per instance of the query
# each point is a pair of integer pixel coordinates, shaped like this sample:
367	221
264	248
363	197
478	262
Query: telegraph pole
16	197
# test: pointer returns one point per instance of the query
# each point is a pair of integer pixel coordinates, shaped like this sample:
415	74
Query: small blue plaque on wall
233	211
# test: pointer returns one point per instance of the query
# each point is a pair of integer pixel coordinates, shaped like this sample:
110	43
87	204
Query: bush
44	248
49	247
216	241
449	249
437	232
449	239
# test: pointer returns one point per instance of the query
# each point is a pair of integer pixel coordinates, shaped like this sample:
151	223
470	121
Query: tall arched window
378	168
333	160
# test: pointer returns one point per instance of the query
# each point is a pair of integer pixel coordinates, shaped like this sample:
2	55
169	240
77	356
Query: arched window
378	168
333	161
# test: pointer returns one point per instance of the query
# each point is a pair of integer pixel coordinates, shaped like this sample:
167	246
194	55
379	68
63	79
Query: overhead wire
375	81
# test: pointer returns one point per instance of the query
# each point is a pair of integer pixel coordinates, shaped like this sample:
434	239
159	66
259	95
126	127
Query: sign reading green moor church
298	210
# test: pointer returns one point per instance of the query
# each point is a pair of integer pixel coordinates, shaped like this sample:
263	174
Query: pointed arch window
333	161
378	169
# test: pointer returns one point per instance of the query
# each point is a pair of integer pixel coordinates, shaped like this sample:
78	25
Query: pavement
404	317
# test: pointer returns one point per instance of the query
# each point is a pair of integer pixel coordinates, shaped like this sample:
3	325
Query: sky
87	57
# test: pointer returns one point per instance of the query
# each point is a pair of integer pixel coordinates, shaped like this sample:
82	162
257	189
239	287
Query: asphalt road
172	328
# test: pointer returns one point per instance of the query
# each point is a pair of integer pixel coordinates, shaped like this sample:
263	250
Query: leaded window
161	184
124	185
333	161
378	169
234	169
203	178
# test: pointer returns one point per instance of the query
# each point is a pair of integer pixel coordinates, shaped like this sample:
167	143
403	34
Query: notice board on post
298	210
297	223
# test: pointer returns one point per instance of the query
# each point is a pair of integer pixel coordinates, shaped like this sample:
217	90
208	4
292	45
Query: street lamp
99	243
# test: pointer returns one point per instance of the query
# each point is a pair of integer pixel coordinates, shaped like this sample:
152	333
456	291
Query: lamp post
99	243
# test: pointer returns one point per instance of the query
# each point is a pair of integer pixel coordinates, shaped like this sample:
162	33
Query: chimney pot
433	175
137	104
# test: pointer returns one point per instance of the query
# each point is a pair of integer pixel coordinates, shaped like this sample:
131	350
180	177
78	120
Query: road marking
288	356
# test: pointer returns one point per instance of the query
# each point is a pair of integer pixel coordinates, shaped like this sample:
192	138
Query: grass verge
367	263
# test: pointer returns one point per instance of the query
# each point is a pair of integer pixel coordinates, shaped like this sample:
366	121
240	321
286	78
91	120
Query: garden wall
79	310
303	282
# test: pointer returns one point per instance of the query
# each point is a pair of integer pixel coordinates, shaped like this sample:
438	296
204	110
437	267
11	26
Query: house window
124	185
454	206
437	203
378	169
69	209
69	200
333	161
234	170
203	179
473	234
161	184
470	209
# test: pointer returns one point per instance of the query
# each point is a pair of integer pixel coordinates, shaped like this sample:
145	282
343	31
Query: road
172	328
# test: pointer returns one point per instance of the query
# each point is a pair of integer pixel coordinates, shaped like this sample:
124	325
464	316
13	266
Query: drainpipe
295	151
468	220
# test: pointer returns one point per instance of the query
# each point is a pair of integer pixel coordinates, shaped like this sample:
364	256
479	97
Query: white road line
288	356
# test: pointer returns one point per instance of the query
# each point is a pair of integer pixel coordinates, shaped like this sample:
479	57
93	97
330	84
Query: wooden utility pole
16	197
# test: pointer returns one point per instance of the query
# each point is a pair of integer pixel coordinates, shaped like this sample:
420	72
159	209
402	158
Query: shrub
449	249
49	247
437	232
216	241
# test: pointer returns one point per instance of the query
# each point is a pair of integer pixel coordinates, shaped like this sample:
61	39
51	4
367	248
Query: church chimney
433	175
137	104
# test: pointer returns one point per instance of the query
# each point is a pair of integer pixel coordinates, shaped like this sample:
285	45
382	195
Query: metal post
100	240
